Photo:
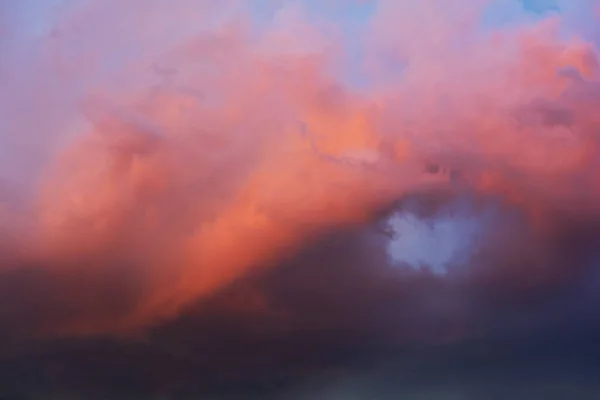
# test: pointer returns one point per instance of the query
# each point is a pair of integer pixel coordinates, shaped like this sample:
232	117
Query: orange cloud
241	150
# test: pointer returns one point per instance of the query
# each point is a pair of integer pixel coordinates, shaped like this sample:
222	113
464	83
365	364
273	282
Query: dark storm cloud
339	318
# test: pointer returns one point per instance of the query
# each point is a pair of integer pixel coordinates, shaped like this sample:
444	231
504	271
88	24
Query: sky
361	199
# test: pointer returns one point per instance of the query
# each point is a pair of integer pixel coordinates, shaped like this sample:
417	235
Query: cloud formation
170	166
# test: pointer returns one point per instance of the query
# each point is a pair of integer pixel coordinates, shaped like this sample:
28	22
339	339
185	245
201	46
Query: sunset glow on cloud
154	155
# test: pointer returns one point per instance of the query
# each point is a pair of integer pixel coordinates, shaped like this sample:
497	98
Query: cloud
168	167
